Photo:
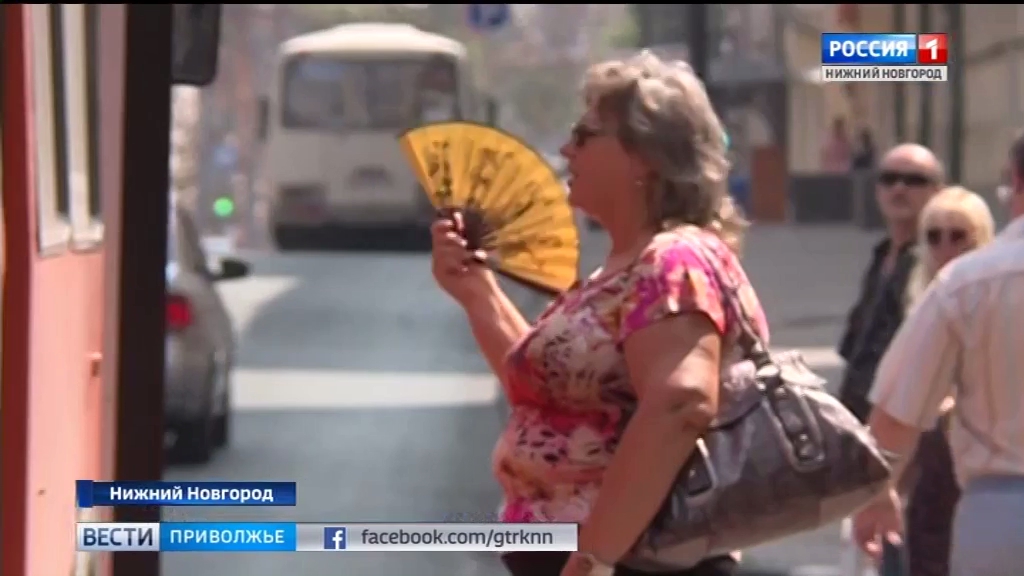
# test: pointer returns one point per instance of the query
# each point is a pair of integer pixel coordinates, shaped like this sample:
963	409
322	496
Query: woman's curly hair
663	112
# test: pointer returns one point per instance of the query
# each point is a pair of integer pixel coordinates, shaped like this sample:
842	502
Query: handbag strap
748	339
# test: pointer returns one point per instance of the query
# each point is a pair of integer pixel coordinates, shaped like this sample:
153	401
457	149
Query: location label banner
90	493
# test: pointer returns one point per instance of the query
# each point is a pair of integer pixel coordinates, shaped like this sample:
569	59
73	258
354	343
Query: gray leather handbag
783	456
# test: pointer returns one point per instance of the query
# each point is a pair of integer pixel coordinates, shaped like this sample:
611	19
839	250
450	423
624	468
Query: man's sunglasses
891	178
955	236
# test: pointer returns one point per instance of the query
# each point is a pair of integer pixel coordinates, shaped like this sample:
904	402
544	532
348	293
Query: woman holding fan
612	386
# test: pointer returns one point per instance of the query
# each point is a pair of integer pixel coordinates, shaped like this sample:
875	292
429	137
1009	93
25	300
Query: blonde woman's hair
955	200
663	112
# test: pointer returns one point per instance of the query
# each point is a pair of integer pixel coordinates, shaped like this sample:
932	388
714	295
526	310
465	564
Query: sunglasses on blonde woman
955	236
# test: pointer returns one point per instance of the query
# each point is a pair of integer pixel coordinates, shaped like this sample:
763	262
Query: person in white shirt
954	222
964	338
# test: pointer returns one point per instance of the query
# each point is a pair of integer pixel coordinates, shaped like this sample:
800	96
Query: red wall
56	406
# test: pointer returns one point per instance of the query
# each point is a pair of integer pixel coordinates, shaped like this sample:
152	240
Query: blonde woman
953	222
612	386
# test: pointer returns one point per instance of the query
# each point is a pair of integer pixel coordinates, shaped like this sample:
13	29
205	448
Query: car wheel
195	441
222	424
221	430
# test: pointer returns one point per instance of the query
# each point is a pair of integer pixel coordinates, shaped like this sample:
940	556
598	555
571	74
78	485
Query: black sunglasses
581	133
891	178
934	236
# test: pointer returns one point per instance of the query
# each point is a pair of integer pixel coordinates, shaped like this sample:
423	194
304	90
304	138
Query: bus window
313	97
333	92
438	91
388	87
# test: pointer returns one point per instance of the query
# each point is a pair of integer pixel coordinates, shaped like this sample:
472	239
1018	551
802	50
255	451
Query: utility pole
924	119
957	63
698	40
686	24
644	23
899	100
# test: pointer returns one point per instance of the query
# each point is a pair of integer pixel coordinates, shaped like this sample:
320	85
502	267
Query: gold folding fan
514	206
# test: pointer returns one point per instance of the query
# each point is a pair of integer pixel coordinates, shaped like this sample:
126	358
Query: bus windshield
332	92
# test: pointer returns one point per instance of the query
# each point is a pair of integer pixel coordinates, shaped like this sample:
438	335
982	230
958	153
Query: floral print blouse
567	379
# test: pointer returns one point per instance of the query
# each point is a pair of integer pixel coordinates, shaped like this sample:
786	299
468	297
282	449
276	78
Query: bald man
908	176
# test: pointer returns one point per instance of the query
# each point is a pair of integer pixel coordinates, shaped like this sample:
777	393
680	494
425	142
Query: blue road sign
488	17
226	156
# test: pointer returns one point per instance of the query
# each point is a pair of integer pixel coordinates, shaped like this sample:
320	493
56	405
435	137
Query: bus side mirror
195	43
493	111
262	118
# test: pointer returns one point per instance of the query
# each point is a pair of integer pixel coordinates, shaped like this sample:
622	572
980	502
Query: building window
80	126
92	94
74	50
62	151
51	184
66	126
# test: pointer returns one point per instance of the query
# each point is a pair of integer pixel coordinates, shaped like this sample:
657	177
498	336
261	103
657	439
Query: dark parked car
199	345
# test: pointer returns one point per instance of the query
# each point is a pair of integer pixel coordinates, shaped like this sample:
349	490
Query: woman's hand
459	272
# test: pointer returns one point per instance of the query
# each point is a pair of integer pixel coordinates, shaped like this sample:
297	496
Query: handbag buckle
700	475
796	423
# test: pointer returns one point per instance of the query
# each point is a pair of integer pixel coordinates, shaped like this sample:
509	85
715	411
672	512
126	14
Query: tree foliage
625	32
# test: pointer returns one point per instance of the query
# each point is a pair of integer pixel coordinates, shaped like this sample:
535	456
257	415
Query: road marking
255	390
817	570
244	298
818	357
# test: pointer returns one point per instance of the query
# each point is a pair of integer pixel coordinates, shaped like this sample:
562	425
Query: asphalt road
360	381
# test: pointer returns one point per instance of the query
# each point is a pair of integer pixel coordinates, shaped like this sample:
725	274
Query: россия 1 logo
932	49
883	49
884	57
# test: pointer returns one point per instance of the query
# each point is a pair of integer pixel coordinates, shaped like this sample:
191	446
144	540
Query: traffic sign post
226	156
483	19
488	17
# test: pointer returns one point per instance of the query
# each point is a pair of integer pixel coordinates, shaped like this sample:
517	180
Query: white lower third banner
860	73
340	537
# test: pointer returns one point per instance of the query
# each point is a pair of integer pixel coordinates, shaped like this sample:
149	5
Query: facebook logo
334	538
